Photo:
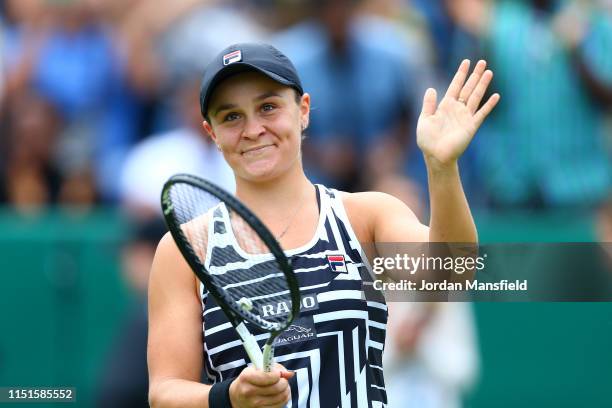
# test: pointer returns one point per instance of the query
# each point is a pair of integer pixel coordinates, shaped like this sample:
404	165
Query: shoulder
369	202
167	258
170	272
167	247
365	211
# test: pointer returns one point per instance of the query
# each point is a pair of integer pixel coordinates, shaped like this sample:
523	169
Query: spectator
31	180
35	174
2	69
162	45
447	44
451	41
431	354
357	70
62	51
185	149
545	145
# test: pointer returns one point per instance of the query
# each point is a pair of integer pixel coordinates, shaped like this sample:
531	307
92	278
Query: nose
253	128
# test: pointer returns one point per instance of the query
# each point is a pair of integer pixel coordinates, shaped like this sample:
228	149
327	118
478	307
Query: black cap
243	57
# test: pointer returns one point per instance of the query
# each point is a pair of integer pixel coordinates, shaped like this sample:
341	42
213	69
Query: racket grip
268	357
251	346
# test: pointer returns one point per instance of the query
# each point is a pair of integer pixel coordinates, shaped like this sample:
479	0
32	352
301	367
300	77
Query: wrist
232	394
219	395
436	167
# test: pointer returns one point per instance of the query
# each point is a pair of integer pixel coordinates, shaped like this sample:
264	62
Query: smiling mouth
256	149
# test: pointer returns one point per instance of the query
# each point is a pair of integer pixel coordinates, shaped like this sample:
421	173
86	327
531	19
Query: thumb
429	102
286	374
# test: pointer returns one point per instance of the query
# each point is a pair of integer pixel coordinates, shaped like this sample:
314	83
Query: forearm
451	218
172	393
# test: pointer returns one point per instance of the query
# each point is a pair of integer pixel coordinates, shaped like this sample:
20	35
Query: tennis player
255	110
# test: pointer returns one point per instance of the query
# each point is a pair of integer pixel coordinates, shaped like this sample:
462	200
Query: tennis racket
236	257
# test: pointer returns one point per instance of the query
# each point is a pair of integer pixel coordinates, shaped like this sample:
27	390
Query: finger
480	116
472	81
287	374
284	373
476	97
259	378
279	401
272	390
457	83
430	100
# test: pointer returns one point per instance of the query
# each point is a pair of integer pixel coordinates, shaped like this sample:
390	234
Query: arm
451	218
175	332
384	221
175	344
443	133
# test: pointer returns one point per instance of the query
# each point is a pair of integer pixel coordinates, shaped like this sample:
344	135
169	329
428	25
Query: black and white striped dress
336	344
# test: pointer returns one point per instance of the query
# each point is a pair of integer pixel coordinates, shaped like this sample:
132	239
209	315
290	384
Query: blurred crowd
99	105
98	98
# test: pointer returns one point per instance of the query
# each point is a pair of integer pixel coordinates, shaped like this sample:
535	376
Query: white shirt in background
151	162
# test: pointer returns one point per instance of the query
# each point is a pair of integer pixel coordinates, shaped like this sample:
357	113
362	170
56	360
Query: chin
260	172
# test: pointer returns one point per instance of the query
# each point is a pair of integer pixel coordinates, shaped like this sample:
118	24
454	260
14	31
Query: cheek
229	146
228	140
290	129
292	140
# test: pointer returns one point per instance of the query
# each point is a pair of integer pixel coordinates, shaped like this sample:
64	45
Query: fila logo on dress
337	263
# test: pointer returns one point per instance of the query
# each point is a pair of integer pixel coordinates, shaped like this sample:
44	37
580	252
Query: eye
230	117
267	107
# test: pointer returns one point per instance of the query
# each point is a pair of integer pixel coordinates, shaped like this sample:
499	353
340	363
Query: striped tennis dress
335	346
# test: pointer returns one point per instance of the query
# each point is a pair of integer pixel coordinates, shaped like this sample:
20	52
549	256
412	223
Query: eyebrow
228	106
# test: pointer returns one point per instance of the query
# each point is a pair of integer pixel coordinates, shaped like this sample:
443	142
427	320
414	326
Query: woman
255	110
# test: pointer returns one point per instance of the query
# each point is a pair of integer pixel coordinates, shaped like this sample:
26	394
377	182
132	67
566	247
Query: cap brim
238	68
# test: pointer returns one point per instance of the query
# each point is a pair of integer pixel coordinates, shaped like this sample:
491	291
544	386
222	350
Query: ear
209	130
305	110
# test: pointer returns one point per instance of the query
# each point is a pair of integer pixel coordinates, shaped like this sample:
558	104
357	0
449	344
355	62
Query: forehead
245	86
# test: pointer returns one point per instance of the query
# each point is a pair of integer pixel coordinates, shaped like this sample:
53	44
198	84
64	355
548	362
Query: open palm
444	131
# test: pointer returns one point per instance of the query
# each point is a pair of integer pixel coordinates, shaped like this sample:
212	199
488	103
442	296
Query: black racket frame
234	313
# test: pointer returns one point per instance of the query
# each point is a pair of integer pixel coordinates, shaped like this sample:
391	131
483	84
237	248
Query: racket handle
268	357
251	346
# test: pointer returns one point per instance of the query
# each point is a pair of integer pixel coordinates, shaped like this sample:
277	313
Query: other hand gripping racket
247	268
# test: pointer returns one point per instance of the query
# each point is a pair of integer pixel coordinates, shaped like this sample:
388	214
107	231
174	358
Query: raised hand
444	131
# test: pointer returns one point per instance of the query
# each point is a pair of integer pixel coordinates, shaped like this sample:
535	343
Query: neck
275	196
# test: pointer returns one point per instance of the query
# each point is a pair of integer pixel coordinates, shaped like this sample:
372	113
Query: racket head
188	203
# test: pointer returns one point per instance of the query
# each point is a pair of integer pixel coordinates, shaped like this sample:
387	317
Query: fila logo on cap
235	56
336	263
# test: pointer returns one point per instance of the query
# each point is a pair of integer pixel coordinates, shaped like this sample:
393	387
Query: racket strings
237	260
